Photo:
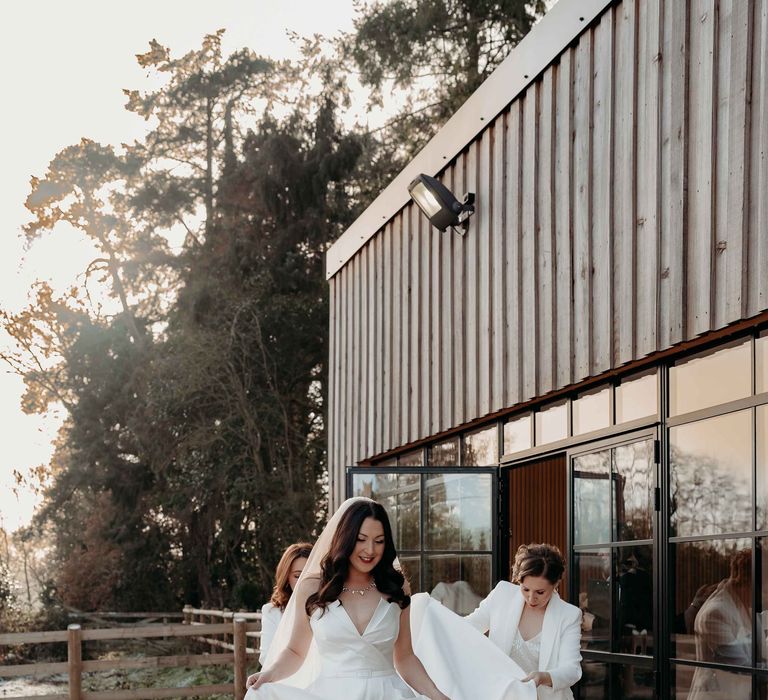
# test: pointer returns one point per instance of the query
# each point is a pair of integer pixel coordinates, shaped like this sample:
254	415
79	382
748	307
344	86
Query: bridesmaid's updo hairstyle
538	560
335	565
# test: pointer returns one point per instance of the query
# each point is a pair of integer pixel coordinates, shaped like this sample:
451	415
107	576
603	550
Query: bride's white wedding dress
343	664
351	666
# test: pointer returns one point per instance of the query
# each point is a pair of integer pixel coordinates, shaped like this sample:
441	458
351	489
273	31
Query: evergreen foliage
193	451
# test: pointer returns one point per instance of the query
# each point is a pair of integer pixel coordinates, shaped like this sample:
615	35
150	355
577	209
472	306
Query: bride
350	629
352	607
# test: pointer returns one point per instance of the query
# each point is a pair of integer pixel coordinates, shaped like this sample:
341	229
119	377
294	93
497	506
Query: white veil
310	668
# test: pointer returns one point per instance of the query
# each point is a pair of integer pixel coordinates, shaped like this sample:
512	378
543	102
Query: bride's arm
292	656
408	664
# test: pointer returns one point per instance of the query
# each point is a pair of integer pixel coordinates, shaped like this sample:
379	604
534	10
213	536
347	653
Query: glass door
444	522
614	500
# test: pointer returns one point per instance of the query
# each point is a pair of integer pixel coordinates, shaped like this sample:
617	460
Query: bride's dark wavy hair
335	564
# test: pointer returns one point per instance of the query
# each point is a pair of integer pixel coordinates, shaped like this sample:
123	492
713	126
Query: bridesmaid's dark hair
335	564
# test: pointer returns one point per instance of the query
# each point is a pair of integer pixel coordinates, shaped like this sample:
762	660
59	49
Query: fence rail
239	627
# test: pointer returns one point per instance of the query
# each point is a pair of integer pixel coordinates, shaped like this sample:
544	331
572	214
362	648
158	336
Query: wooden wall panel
485	271
646	177
621	209
545	244
563	196
582	208
757	283
538	507
624	199
513	259
702	27
673	160
499	294
601	204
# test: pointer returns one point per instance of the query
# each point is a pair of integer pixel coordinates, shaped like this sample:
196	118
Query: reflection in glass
481	448
411	459
592	498
711	476
411	567
458	512
634	599
710	379
709	684
592	573
761	362
459	582
712	601
400	496
595	681
552	424
636	397
761	582
762	467
592	411
517	434
633	480
633	682
445	454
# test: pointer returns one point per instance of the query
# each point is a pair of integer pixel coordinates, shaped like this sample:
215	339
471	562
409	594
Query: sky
63	67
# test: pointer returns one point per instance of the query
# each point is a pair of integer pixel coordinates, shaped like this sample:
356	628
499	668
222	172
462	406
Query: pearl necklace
360	591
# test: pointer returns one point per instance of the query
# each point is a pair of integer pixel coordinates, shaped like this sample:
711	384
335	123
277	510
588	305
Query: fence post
188	614
75	660
241	669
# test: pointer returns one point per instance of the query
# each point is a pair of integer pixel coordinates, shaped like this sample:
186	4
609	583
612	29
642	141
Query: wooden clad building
587	365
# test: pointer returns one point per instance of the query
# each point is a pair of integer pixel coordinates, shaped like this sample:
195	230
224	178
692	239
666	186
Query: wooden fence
238	627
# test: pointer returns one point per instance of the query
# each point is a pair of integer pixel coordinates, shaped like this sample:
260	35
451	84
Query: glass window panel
711	379
411	567
411	459
481	448
517	434
592	573
709	684
592	498
634	599
633	467
762	467
712	588
633	682
552	424
595	681
459	582
401	497
711	475
636	397
761	581
392	462
761	362
592	411
458	512
445	454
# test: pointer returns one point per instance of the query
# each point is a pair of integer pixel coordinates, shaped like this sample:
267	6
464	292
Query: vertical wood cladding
538	507
621	209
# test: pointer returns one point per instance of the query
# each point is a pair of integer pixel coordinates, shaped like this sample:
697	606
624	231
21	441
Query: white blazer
270	619
560	655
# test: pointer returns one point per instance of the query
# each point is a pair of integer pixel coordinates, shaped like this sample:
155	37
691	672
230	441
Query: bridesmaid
529	621
286	575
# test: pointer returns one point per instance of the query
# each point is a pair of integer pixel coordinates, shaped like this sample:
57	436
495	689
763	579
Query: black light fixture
440	206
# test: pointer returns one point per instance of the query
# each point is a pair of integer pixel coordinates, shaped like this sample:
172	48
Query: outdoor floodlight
440	206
